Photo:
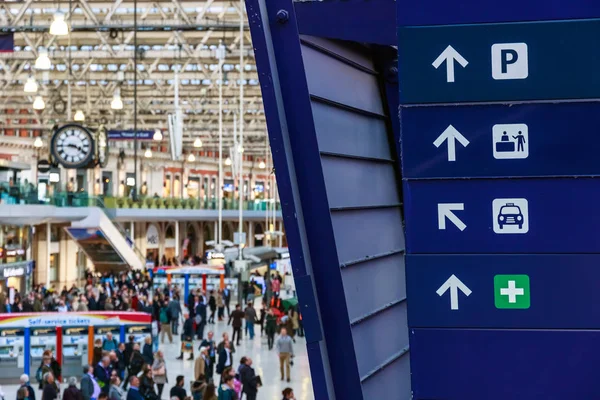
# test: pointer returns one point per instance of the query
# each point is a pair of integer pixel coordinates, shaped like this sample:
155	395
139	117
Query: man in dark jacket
87	384
134	389
237	316
102	374
225	358
178	390
122	362
200	316
187	335
250	381
175	309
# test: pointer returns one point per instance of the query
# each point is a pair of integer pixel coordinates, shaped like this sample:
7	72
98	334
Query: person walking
178	390
227	299
26	384
88	385
236	316
159	372
109	343
270	328
285	349
288	394
226	391
72	392
225	358
212	304
147	352
211	346
115	392
220	305
210	392
102	374
134	389
137	361
147	385
50	391
250	382
187	337
165	323
200	316
175	310
250	315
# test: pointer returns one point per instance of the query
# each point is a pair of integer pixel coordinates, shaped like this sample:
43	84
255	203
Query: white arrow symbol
453	283
449	56
451	135
445	211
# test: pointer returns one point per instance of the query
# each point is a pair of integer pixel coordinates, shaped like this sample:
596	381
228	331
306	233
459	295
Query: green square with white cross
512	291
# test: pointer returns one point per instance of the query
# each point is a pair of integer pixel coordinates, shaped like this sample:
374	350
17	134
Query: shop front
16	275
15	263
152	245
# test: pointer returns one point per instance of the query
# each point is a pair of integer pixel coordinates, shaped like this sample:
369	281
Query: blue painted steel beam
363	21
306	212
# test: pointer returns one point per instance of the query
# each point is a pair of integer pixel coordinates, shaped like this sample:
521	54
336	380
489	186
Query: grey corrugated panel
363	233
373	285
378	338
359	183
344	132
392	382
331	79
352	52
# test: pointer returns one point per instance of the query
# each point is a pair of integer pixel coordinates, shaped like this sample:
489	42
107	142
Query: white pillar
177	239
48	253
280	237
132	232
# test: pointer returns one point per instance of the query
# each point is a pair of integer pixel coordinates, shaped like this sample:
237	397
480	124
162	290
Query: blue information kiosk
500	173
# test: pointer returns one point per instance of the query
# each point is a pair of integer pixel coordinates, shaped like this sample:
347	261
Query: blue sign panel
442	12
504	291
503	216
501	140
499	62
457	364
129	135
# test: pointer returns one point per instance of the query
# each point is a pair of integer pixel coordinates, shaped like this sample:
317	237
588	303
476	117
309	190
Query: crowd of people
134	371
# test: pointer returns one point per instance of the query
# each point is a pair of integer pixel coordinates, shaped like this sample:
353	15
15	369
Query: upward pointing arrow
449	55
453	284
451	135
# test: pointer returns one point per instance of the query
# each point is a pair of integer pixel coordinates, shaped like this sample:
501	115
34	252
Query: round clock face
72	146
102	143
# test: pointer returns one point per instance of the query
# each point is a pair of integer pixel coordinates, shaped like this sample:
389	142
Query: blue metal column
27	352
122	334
186	287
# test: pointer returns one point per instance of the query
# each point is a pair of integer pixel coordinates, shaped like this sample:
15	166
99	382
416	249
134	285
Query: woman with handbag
159	372
147	386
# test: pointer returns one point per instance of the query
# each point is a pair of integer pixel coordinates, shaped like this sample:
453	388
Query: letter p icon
509	61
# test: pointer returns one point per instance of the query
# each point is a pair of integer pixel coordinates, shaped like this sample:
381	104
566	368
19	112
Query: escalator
104	243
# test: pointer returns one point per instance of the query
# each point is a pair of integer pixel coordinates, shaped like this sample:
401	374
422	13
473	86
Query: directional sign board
463	364
500	62
504	291
521	140
503	216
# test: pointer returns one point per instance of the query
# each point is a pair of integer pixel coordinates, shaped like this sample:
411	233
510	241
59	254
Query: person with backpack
164	316
110	343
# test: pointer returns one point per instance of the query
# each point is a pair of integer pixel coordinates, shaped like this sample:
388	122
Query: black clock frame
83	163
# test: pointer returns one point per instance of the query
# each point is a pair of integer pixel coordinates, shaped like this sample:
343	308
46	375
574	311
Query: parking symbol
510	216
509	61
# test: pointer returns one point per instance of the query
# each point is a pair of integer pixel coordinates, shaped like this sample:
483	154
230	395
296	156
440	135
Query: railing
29	195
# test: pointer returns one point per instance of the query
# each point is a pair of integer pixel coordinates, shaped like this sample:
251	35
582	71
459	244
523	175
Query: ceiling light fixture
43	61
37	143
79	116
262	165
191	157
148	153
117	102
228	161
59	26
31	85
38	103
158	136
197	143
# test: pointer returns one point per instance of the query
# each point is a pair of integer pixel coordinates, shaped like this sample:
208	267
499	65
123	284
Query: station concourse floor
265	364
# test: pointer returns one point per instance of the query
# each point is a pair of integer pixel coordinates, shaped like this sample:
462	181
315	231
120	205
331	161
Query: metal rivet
283	16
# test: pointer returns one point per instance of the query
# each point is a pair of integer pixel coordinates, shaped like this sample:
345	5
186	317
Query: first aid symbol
509	61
